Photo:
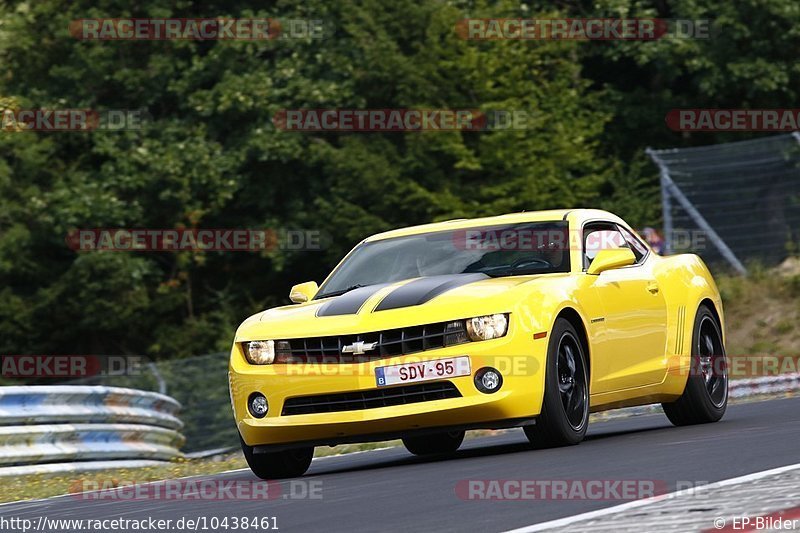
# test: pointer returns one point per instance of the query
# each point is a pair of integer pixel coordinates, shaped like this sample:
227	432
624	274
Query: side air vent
679	334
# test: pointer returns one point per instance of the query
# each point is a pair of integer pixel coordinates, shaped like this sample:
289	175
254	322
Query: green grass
762	312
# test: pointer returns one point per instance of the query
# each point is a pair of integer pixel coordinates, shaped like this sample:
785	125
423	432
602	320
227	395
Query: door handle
652	287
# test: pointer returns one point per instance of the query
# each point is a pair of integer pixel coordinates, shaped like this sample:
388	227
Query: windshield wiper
339	292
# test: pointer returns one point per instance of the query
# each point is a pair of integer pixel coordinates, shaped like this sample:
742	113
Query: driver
551	252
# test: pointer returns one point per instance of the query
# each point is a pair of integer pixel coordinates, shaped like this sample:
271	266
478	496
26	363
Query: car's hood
378	307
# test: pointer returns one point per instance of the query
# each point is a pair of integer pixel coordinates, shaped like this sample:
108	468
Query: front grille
370	399
390	343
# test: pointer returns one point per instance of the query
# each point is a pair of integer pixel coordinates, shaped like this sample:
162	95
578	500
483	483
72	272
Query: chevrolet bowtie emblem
359	347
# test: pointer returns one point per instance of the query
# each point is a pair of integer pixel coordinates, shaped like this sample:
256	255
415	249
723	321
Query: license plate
422	371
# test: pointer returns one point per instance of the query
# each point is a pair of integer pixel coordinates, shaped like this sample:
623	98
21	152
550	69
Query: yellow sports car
525	320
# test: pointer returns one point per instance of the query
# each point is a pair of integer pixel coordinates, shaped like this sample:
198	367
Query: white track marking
561	522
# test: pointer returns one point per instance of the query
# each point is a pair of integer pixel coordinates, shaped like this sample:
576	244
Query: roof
511	218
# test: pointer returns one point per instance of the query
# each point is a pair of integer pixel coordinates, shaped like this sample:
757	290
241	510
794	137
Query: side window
636	246
598	237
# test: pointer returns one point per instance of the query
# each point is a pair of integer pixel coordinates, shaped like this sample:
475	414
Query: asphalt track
390	490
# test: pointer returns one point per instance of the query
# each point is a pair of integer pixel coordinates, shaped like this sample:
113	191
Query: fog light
488	380
258	405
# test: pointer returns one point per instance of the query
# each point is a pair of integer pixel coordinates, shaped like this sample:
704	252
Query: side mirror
610	259
303	292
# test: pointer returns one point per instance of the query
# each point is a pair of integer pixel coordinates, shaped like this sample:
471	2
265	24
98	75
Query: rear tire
435	444
565	408
277	465
705	396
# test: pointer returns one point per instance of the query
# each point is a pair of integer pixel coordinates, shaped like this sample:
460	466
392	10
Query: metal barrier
735	202
47	424
782	383
200	384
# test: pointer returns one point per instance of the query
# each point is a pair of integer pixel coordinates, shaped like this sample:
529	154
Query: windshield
508	250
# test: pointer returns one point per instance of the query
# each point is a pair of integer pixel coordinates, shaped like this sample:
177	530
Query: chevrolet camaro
528	320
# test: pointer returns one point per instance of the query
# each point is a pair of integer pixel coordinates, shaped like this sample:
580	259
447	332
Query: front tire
277	465
565	409
705	396
435	444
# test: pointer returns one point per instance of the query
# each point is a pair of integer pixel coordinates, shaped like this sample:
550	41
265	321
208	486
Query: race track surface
389	490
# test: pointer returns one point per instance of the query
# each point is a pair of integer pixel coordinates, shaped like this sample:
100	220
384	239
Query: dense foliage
209	155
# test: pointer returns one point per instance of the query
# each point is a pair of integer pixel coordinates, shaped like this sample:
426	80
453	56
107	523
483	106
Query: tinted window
508	250
639	250
598	237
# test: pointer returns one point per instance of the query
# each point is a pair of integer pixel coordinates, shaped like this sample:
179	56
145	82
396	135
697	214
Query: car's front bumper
517	356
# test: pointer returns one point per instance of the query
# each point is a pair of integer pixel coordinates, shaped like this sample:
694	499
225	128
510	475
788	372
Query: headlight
260	352
483	328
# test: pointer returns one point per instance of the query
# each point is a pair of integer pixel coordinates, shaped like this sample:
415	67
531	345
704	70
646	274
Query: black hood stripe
350	302
422	290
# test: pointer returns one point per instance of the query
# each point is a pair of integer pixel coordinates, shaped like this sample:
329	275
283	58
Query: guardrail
764	385
49	424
